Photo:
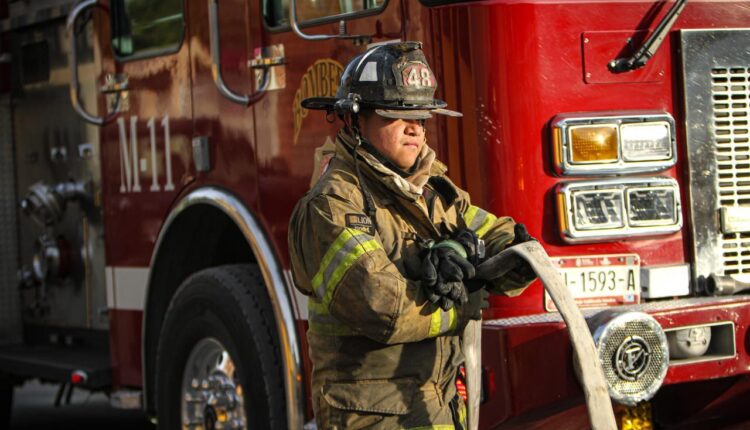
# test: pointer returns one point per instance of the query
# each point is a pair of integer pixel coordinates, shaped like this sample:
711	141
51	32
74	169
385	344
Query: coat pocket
382	396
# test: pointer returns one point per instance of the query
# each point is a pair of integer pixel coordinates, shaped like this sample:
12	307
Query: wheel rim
212	396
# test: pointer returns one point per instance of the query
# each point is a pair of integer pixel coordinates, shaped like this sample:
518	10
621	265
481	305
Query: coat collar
409	187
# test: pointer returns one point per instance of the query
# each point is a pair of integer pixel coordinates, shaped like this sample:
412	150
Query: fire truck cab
151	154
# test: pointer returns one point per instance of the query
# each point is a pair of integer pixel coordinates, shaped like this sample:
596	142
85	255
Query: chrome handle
245	100
74	87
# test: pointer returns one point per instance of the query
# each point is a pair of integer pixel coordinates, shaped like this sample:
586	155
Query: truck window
142	28
276	12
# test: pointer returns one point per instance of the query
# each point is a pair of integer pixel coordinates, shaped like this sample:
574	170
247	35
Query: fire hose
585	358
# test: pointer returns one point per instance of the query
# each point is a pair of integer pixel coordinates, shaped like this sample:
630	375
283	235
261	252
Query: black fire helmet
392	79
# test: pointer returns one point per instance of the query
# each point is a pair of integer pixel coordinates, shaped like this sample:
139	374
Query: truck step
56	363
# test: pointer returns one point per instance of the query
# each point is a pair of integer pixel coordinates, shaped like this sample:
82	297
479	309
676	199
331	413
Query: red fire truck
151	154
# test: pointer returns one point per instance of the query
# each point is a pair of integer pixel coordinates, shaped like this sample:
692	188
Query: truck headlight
596	210
651	206
648	141
607	209
613	143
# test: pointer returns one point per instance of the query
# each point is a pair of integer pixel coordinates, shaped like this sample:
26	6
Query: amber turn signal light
594	144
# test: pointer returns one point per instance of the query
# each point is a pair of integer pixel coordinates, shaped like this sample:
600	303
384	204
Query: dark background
33	409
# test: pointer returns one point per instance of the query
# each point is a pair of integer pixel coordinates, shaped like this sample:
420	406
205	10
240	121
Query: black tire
6	401
229	305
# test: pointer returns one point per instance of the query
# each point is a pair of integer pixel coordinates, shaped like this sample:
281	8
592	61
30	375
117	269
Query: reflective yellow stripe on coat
340	257
442	322
479	220
348	247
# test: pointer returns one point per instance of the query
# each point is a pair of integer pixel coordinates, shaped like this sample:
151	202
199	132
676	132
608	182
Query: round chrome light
633	350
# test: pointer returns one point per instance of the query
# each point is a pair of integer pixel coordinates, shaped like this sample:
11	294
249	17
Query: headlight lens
654	206
598	210
646	142
612	143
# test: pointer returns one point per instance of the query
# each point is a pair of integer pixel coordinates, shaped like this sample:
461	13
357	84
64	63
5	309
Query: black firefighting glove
475	253
478	300
444	270
472	244
522	273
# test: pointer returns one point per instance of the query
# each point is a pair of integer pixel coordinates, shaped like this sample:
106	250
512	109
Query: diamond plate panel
10	313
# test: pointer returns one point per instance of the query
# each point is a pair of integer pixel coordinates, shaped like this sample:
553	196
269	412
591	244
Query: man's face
399	140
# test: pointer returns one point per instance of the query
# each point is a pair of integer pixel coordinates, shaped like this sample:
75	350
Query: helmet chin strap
351	122
369	202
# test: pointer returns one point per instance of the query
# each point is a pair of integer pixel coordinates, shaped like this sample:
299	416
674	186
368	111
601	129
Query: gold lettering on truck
320	80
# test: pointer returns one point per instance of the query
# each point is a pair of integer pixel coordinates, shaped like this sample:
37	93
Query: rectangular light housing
613	143
591	211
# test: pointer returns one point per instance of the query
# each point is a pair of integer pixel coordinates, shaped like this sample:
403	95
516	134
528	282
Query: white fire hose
585	358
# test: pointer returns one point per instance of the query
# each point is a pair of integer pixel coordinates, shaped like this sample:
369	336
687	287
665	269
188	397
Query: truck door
225	91
146	153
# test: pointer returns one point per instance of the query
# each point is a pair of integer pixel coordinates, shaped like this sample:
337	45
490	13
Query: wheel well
202	236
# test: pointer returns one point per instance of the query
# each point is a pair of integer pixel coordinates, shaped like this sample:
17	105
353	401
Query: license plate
600	280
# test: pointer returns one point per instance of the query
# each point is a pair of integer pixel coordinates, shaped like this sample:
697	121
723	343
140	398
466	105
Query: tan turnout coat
383	356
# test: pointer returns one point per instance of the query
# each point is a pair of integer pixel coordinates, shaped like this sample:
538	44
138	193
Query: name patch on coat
360	222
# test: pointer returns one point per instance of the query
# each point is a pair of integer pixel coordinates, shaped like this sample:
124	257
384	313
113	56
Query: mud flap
585	358
10	299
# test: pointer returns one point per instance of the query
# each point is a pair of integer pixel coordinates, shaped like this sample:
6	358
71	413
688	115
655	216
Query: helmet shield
392	79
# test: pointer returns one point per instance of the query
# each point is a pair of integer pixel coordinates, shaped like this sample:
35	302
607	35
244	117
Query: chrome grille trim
715	84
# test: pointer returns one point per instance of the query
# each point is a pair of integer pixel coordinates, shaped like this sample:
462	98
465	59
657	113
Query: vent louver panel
730	94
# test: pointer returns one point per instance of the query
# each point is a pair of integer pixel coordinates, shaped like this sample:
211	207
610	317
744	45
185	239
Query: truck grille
730	96
716	87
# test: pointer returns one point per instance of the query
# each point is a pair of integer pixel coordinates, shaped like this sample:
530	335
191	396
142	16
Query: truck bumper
530	383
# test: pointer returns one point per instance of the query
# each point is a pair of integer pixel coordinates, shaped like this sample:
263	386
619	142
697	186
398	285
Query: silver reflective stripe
478	220
447	321
442	322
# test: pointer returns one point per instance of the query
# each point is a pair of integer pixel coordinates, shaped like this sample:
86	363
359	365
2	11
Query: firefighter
385	246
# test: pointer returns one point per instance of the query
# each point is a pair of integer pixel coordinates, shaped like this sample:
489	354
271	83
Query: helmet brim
328	103
319	103
415	114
